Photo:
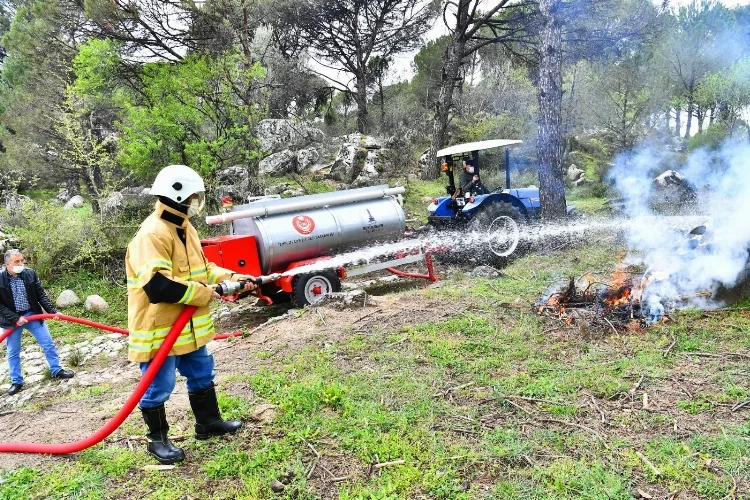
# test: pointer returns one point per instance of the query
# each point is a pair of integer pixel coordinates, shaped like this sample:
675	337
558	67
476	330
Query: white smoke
688	263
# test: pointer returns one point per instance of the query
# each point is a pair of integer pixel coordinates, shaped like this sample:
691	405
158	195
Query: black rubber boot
208	422
159	444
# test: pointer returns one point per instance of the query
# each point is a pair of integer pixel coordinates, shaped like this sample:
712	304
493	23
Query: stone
67	298
349	162
96	304
671	193
234	175
485	272
306	158
370	142
574	173
134	201
370	174
76	201
280	163
278	134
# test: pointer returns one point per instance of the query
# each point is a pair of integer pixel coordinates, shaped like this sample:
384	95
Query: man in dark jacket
22	295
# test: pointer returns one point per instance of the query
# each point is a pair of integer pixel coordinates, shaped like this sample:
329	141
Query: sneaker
64	374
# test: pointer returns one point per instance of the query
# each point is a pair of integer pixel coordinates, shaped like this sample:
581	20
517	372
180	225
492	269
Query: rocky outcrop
76	201
280	163
277	135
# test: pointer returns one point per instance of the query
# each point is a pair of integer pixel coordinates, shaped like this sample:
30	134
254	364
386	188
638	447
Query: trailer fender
286	282
483	201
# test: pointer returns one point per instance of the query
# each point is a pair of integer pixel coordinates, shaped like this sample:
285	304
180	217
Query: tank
326	230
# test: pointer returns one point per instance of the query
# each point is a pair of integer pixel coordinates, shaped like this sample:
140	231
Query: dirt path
60	418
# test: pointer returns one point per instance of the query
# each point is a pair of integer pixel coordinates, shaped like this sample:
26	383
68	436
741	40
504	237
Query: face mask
18	269
195	208
470	169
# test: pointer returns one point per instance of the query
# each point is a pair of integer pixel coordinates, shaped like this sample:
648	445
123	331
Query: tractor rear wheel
499	227
310	288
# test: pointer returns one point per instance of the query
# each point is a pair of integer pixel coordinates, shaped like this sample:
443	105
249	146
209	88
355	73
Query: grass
488	401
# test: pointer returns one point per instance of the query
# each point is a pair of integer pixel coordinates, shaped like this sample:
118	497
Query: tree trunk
550	143
362	125
689	122
444	104
678	120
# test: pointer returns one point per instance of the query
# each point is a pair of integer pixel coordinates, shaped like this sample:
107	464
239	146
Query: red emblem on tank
303	224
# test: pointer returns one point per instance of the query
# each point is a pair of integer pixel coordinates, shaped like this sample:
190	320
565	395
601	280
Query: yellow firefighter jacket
166	271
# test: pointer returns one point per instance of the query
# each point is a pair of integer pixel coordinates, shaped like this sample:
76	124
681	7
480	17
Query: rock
672	193
280	163
277	486
133	201
306	158
96	303
370	142
574	173
425	165
15	203
485	272
233	175
370	174
67	298
349	162
75	202
346	300
264	413
63	196
277	135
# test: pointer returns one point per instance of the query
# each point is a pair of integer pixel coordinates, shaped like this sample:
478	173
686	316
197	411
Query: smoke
710	189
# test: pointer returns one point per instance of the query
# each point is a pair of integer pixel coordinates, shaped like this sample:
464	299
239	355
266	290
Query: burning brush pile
622	302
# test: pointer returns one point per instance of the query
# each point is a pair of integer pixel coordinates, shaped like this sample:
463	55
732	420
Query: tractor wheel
500	228
310	288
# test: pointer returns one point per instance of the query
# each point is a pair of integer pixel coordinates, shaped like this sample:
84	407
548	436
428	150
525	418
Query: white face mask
470	169
196	205
18	269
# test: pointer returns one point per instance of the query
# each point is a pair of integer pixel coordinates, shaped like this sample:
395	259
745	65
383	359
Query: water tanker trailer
293	242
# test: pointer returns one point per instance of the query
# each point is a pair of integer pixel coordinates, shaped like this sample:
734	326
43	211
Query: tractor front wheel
499	228
310	288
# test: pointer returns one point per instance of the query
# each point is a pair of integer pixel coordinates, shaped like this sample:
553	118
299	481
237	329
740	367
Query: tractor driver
468	171
166	271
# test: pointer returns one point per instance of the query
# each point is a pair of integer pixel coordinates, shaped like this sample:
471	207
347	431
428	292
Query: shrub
56	240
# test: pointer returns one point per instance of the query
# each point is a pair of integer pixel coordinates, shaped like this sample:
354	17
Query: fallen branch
386	464
366	315
740	355
646	461
669	348
740	406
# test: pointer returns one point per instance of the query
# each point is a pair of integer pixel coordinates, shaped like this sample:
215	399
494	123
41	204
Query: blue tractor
469	206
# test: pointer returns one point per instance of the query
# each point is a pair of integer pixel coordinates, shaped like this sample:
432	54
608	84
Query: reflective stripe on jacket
154	302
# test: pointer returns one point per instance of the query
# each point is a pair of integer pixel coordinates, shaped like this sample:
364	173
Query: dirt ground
61	419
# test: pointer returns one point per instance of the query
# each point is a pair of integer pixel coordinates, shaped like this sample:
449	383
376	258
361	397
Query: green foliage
95	67
713	138
190	113
55	241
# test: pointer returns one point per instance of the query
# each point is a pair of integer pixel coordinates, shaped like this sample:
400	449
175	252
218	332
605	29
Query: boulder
306	158
278	163
135	201
348	163
67	298
233	175
574	173
370	174
672	193
15	203
370	142
96	304
76	201
276	135
62	196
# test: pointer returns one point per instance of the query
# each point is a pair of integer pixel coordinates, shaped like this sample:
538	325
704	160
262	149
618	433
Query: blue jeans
40	332
196	366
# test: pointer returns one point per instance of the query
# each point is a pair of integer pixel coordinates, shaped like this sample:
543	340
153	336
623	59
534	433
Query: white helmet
177	182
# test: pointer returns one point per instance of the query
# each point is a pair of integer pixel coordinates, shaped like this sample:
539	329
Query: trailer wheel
500	225
310	288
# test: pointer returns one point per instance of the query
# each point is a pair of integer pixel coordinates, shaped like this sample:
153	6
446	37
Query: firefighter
166	270
468	171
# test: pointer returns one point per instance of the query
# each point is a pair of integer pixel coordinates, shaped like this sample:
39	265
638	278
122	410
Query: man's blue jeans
196	366
40	332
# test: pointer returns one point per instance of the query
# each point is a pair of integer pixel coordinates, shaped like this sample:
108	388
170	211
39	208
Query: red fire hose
119	418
